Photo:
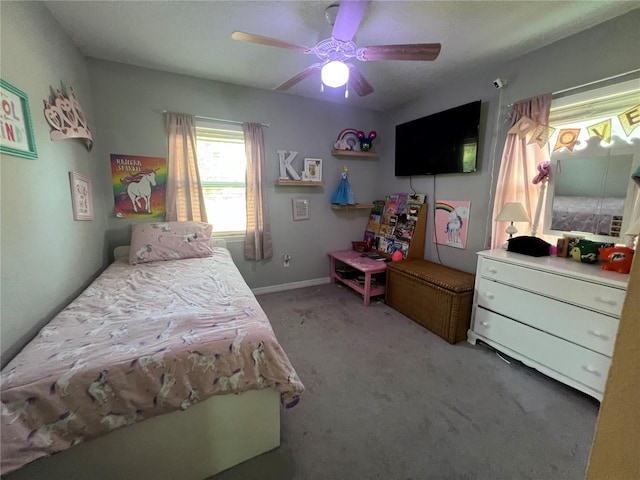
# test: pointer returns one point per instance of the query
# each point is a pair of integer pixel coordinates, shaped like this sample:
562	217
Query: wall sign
16	130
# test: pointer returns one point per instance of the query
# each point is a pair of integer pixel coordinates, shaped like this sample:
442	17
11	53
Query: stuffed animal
543	172
618	258
365	142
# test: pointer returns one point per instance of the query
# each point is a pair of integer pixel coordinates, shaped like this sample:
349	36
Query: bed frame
194	444
207	438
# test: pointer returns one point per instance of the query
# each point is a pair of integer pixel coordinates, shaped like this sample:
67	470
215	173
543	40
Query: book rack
398	223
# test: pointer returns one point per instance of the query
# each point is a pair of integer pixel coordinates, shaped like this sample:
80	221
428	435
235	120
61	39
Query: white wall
46	256
128	104
605	50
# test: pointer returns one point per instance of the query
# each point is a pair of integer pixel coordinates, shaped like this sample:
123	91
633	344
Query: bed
164	368
600	216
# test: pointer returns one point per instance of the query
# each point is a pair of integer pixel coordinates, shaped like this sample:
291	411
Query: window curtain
518	168
257	242
185	200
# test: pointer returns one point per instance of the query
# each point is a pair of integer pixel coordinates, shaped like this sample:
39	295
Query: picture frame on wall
81	196
17	138
312	169
300	208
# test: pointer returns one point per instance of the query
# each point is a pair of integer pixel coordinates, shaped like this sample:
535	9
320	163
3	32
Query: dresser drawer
584	327
590	295
582	365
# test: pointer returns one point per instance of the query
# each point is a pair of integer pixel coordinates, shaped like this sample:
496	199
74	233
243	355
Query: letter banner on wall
139	186
568	137
630	119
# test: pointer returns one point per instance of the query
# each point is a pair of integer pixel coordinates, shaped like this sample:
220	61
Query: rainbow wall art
452	223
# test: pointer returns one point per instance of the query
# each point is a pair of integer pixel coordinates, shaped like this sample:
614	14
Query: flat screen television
445	142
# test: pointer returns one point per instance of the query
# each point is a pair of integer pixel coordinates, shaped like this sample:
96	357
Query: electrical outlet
287	259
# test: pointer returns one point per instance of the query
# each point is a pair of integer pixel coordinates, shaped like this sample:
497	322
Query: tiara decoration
67	118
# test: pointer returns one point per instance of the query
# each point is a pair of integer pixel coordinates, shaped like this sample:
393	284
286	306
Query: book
378	207
390	207
417	198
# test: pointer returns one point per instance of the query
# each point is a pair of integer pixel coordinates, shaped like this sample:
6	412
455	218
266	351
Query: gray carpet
387	399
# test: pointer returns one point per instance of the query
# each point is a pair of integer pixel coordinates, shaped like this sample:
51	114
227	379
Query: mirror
591	192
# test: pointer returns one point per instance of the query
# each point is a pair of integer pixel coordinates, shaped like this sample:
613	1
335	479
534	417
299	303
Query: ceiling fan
336	52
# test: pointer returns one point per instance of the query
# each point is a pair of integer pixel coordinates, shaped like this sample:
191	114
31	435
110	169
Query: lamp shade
512	212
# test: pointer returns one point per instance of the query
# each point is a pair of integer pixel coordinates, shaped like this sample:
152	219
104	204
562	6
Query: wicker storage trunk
437	297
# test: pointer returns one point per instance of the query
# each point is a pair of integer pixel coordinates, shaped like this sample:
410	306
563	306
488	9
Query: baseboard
290	286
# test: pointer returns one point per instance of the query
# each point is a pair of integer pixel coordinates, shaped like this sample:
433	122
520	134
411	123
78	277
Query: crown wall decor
67	118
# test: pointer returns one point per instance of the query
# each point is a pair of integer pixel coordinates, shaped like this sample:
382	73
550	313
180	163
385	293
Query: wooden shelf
352	153
357	206
298	183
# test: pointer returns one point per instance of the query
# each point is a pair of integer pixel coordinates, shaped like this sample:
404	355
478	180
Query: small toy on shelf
343	194
365	142
347	140
618	258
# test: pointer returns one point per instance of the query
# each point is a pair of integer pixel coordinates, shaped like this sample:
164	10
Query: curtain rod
222	120
559	92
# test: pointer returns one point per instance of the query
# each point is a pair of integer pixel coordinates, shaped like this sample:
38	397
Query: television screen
445	142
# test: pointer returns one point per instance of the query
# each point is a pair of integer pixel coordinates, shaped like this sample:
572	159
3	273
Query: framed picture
17	130
81	196
312	169
452	223
301	209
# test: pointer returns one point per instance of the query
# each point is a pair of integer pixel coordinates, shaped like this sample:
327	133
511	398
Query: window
222	164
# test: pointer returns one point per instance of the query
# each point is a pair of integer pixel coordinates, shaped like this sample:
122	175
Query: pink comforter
140	341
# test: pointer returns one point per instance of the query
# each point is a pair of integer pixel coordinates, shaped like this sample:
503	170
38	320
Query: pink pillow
151	242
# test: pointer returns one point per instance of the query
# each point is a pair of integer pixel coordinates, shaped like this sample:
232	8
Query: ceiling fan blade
350	14
261	40
307	72
411	51
358	82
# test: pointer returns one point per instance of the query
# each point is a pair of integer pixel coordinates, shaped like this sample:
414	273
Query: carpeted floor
387	399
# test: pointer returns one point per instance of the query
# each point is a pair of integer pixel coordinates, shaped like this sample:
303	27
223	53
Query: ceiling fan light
335	74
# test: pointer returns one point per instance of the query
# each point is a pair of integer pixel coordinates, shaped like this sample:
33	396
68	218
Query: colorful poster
452	223
139	186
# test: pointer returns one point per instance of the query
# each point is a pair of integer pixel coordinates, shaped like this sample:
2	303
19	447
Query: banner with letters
568	137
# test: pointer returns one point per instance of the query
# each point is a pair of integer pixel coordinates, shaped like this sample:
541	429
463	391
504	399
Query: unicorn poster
139	186
451	223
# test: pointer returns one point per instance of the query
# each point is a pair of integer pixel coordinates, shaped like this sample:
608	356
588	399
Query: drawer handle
492	270
591	369
484	324
490	295
608	301
598	334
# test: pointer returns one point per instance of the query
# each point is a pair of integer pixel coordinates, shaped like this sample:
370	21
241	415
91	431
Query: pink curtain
519	167
184	192
257	242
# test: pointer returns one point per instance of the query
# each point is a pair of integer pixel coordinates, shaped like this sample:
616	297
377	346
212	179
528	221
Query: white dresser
553	314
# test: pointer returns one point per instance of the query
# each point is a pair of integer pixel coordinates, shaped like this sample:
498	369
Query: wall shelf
298	183
357	206
352	153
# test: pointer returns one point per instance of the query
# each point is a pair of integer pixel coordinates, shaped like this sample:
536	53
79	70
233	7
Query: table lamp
512	212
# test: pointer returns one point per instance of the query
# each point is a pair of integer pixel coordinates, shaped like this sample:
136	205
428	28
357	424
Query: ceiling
194	38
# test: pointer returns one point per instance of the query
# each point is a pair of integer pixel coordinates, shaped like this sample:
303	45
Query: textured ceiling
194	38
